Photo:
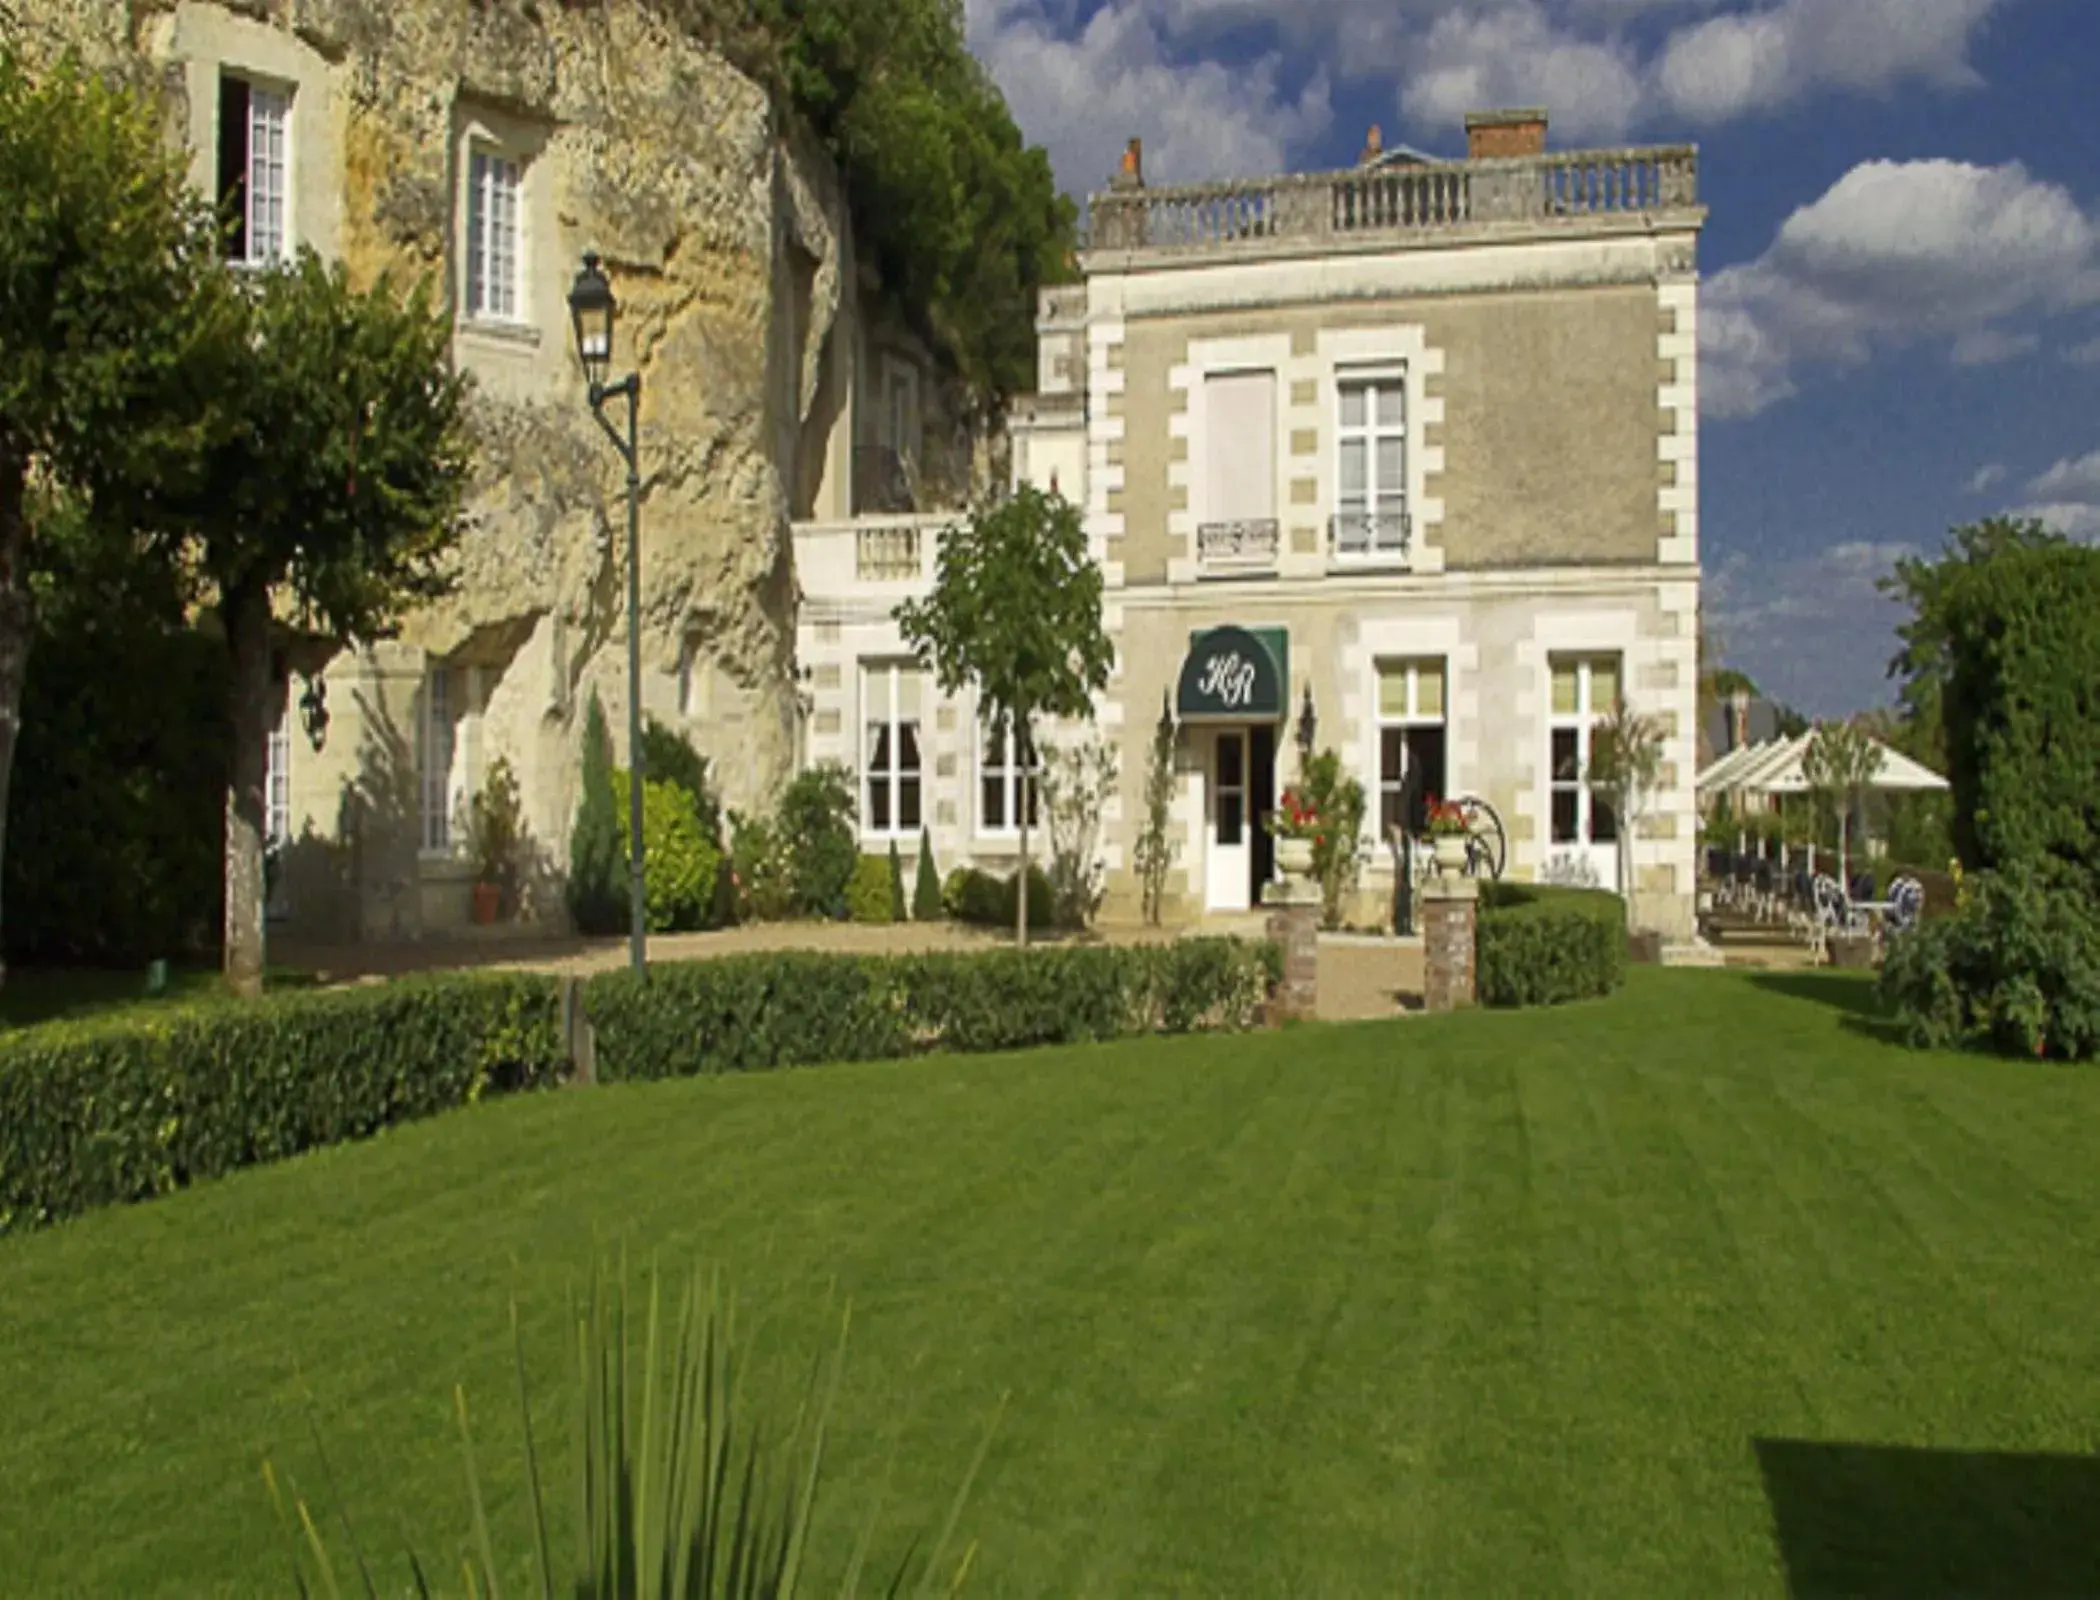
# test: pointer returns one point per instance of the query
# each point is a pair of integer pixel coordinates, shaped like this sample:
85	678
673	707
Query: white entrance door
1230	859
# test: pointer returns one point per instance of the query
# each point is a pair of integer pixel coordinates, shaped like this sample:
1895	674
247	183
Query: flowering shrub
1297	816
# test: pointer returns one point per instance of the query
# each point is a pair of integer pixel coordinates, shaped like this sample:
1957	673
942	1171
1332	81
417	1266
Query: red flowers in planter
1296	817
1445	819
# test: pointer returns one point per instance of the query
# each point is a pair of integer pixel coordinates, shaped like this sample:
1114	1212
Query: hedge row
98	1113
1540	945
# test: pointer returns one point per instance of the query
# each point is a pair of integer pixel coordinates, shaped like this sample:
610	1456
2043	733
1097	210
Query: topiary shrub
982	900
868	893
679	861
898	910
814	835
2016	968
1541	945
926	905
597	886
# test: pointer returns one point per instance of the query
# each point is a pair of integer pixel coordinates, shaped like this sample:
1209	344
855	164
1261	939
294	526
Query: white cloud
1893	254
1083	95
2084	355
2067	497
1084	76
1987	477
1815	631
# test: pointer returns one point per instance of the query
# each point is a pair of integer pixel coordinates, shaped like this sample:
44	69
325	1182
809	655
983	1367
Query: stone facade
487	144
1513	340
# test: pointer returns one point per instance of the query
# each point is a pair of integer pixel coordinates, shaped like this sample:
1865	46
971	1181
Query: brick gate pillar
1450	917
1294	925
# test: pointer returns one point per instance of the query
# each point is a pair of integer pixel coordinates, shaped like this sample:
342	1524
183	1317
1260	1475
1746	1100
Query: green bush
868	895
597	886
2016	967
679	861
669	757
985	901
815	837
99	1113
758	870
1541	945
926	886
753	1013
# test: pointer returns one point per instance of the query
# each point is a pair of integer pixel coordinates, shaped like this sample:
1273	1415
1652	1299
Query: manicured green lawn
1659	1296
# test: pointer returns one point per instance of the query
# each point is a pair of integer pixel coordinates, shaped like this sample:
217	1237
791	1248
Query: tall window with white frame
1585	690
1370	501
1009	773
890	778
277	799
494	183
437	753
255	169
1412	742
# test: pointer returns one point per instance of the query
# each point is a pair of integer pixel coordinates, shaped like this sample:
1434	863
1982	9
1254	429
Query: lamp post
593	309
1308	727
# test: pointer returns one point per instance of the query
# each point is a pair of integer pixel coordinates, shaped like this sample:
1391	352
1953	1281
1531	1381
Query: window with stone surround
1412	741
1371	514
1585	691
890	697
1009	768
494	189
1238	522
447	730
255	169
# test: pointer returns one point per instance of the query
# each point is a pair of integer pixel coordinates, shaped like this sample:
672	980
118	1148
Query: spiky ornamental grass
677	1496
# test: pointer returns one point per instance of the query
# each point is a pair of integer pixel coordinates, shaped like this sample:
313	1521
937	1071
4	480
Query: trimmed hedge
97	1113
974	896
121	1109
1542	945
868	891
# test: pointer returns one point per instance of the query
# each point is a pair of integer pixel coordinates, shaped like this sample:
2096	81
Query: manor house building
1406	452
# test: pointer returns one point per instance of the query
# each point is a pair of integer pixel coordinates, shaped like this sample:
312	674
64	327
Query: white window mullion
267	173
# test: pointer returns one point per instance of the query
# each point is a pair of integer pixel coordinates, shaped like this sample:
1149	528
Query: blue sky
1901	307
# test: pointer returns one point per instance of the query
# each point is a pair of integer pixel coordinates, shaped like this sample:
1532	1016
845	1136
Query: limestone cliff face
726	244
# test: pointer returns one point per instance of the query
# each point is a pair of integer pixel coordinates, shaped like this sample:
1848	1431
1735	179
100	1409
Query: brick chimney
1739	719
1133	174
1499	135
1374	146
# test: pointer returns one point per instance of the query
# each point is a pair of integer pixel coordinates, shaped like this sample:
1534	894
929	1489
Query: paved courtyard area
1361	979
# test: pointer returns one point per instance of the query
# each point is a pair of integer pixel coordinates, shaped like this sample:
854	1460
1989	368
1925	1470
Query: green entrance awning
1234	674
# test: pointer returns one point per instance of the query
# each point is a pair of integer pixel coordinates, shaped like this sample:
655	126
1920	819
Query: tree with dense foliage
332	491
1839	763
1626	763
960	216
108	308
1015	613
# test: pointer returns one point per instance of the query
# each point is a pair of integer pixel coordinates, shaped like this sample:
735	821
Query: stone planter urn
1294	857
1450	851
1852	952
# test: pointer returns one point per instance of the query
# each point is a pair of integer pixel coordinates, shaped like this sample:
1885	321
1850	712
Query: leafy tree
1839	763
1626	763
109	308
598	898
926	886
814	837
1154	856
1337	799
333	492
1928	586
961	218
1016	612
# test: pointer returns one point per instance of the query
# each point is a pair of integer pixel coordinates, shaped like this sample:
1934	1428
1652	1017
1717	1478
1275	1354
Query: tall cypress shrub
926	888
596	895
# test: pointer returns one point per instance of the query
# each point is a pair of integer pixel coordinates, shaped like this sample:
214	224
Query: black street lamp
593	309
1308	726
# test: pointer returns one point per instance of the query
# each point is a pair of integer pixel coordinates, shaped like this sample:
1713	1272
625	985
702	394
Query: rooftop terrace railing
1325	207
